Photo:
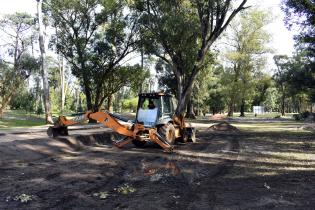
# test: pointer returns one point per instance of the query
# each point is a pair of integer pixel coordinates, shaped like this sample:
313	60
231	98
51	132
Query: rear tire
167	131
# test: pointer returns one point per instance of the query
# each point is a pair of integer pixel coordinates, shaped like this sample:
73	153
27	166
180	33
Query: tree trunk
242	108
231	107
283	105
184	94
190	110
110	103
87	91
76	100
48	115
62	83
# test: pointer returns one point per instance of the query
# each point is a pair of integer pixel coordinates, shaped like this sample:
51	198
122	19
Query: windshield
149	103
167	105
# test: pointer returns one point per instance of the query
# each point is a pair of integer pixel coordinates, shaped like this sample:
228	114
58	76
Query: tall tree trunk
76	100
48	115
283	104
110	103
62	83
184	94
242	108
190	110
231	107
87	90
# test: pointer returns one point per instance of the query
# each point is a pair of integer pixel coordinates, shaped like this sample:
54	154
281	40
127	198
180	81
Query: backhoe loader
155	121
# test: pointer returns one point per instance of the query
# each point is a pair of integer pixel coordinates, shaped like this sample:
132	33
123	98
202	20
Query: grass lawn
19	118
270	127
8	123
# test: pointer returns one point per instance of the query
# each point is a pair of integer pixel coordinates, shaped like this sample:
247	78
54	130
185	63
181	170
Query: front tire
167	131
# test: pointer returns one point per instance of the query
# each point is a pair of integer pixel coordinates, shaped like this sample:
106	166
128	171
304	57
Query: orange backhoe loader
155	121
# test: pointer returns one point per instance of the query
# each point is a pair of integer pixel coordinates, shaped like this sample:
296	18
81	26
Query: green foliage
271	97
76	23
262	83
18	63
295	81
301	13
246	57
216	99
130	104
166	78
180	33
23	100
101	36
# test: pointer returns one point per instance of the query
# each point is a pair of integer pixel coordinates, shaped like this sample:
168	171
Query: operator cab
154	109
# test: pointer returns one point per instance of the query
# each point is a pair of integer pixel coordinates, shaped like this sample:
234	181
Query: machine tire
138	143
191	135
167	131
50	131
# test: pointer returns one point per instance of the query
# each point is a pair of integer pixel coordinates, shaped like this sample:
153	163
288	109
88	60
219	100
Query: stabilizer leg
123	142
57	131
154	136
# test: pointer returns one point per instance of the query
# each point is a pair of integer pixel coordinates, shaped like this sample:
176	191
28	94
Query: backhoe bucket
57	131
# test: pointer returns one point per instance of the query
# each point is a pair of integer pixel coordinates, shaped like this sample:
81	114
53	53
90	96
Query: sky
282	42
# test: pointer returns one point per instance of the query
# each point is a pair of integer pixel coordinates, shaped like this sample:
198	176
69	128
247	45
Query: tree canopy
181	33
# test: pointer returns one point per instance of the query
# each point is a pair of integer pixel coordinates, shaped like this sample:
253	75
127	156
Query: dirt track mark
227	165
53	176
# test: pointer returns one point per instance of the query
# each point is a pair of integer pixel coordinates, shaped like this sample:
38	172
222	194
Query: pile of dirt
223	126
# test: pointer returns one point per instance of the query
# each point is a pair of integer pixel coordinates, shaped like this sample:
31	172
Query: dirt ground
223	170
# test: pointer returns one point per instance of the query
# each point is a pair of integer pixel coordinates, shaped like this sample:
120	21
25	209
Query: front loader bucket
57	131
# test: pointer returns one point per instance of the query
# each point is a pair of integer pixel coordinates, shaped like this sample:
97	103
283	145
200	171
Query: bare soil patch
223	170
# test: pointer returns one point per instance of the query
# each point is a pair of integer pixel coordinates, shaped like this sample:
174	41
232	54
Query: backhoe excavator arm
103	117
109	121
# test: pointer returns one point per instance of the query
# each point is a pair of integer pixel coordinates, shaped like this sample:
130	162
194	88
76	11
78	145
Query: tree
167	81
181	33
18	64
47	104
295	77
282	63
166	78
111	45
302	74
23	100
76	23
217	96
248	45
95	37
121	77
262	83
301	13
